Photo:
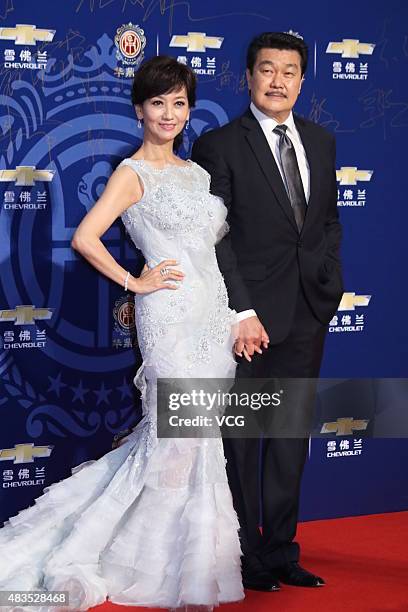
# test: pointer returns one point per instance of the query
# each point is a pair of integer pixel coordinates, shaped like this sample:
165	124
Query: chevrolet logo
197	41
24	34
25	315
25	176
25	453
344	426
350	48
349	301
349	175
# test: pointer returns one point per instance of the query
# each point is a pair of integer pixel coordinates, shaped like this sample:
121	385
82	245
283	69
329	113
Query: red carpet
363	559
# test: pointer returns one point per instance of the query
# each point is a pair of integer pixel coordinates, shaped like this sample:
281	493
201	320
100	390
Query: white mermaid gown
152	522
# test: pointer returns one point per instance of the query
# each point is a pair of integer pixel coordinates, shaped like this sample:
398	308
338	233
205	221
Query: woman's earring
139	124
187	125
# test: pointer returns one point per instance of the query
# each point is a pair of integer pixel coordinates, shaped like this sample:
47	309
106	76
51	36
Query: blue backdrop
67	334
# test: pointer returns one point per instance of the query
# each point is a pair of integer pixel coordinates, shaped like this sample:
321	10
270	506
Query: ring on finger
164	272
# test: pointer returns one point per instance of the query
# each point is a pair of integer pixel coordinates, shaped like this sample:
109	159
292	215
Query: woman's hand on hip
153	279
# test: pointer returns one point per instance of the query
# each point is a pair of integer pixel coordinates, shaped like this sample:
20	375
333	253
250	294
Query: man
276	174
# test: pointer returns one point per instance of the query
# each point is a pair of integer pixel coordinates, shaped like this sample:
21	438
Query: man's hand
251	337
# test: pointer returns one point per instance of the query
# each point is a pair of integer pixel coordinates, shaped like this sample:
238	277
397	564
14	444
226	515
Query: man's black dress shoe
261	581
296	575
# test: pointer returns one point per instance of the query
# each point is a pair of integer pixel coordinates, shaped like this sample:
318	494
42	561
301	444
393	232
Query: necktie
291	173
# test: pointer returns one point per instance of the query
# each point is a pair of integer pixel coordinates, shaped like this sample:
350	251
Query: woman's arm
123	189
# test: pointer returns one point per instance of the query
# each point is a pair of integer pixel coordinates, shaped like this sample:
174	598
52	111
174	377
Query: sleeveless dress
152	522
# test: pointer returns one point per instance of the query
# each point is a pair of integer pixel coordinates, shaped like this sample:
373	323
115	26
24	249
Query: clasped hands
252	338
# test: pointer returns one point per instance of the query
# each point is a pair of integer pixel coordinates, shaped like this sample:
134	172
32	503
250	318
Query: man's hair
277	40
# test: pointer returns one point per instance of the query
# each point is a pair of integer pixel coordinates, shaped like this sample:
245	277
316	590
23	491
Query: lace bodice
176	211
178	218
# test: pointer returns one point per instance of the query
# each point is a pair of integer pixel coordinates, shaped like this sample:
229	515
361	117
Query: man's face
275	82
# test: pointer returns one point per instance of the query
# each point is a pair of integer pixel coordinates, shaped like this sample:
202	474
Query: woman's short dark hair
277	40
160	75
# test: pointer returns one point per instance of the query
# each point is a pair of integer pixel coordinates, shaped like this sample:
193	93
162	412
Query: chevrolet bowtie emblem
350	48
25	176
24	34
349	175
345	426
197	41
25	315
25	453
349	301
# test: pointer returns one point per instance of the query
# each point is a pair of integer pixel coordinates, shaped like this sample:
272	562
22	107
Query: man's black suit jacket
264	258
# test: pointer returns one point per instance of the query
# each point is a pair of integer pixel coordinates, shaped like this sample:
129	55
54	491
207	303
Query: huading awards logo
130	41
125	327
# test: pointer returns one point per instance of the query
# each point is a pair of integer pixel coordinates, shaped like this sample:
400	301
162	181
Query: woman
152	522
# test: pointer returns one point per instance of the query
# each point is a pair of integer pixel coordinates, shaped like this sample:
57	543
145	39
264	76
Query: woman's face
164	116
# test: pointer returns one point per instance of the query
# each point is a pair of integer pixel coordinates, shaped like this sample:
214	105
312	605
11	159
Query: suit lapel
262	152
